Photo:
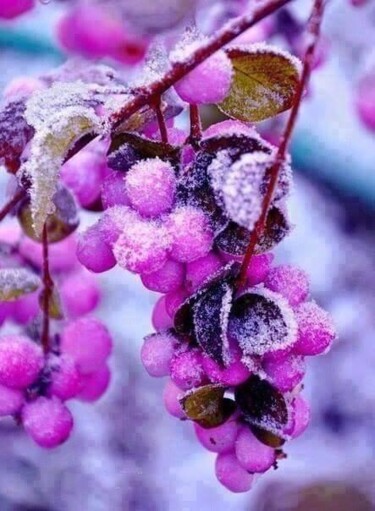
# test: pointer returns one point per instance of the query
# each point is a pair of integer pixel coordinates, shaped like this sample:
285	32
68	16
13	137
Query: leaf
267	438
207	406
233	240
210	320
276	228
16	282
262	321
264	83
54	304
60	115
262	405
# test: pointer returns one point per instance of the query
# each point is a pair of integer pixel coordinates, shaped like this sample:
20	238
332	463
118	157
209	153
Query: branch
143	95
195	126
273	173
12	203
47	292
161	120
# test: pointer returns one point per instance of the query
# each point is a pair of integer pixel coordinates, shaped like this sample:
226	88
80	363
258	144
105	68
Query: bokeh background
126	453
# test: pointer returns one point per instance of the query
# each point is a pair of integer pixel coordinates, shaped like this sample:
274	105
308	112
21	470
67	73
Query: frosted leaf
261	321
262	405
207	405
210	318
87	72
276	228
61	115
16	282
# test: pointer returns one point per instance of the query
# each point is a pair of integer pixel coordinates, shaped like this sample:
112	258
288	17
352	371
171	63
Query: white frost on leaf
60	115
16	282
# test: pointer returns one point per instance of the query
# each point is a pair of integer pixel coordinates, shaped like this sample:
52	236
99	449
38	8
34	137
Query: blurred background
126	453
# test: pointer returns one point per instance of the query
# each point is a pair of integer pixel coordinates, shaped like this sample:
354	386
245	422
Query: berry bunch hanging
195	214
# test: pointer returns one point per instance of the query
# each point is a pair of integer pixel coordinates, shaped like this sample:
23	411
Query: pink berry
287	373
65	378
160	318
174	299
157	352
142	247
87	342
198	271
252	455
62	255
219	439
291	282
80	293
95	385
113	191
301	416
191	234
187	369
316	331
21	361
25	309
231	474
229	127
93	252
11	401
207	83
114	221
258	268
47	421
150	187
10	9
171	396
168	278
365	101
233	374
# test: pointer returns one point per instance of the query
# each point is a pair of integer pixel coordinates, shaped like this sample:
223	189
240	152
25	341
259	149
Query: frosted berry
94	385
11	401
93	252
150	186
22	86
291	282
253	455
113	191
142	247
65	378
219	439
87	342
160	317
315	330
199	270
157	352
191	234
301	416
168	278
21	361
47	421
231	474
207	83
287	373
171	396
187	369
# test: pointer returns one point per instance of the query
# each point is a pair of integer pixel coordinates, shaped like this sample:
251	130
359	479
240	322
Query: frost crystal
16	282
60	115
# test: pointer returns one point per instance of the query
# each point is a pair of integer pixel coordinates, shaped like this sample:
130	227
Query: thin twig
47	292
144	95
156	105
12	203
313	30
195	126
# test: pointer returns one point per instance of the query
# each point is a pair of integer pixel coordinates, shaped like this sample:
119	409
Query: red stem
195	126
47	292
143	95
273	173
13	202
156	105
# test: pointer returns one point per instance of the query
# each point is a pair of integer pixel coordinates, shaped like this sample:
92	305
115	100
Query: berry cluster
234	355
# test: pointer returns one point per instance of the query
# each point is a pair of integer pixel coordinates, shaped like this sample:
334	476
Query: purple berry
253	455
47	421
285	374
168	278
80	293
234	373
62	255
12	9
207	83
94	385
171	396
160	318
230	127
365	101
25	309
65	379
187	369
113	191
11	401
199	270
157	352
231	474
87	342
291	282
191	234
93	252
219	439
150	187
174	299
316	331
258	268
21	361
301	416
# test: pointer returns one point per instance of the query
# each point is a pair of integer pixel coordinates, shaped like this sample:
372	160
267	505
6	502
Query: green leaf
17	282
264	82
